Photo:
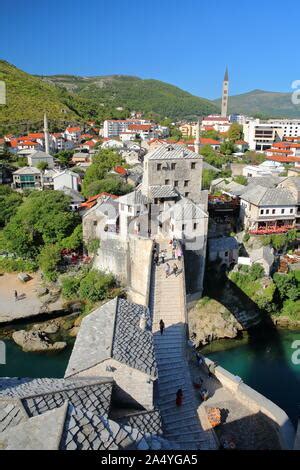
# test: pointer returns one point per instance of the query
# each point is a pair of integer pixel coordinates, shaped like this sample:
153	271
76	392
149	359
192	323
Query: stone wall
258	403
130	261
133	388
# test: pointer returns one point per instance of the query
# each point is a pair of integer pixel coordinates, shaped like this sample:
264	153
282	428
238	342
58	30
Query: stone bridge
168	302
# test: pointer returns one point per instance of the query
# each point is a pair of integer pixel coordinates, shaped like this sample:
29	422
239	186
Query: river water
265	363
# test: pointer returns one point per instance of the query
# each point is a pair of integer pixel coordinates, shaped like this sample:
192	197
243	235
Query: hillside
27	97
263	103
152	97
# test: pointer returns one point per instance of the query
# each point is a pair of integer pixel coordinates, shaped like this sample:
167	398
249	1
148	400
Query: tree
74	241
254	158
48	260
113	185
42	166
64	157
207	177
102	163
9	202
240	180
95	285
288	286
211	134
235	132
227	147
43	218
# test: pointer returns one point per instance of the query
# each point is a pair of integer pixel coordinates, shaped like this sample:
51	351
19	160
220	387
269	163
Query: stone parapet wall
258	404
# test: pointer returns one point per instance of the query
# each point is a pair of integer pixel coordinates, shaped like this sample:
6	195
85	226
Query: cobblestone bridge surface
167	302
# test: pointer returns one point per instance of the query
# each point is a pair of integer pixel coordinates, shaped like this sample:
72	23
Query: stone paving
249	430
181	424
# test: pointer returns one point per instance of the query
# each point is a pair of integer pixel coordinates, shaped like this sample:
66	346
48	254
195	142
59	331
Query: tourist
167	270
204	394
173	253
175	269
179	397
155	258
16	295
162	257
161	327
178	253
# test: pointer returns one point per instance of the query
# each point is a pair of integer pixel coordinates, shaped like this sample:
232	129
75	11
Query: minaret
197	139
225	94
46	133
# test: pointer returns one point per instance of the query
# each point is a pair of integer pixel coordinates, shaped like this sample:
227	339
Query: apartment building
262	135
115	127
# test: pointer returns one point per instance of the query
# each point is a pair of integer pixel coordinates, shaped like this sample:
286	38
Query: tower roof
226	75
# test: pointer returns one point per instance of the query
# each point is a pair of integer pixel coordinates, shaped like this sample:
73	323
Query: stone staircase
167	302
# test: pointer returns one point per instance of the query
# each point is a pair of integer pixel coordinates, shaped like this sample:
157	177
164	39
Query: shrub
48	260
95	285
246	237
70	286
291	309
11	265
288	285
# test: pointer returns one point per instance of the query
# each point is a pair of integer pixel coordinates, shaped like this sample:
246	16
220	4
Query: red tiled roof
120	170
93	200
73	129
27	143
287	159
89	143
282	145
241	142
57	134
208	141
275	150
36	135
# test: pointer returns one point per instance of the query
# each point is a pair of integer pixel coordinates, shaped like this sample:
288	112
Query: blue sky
187	43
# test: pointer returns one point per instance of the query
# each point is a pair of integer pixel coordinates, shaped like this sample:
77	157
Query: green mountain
152	97
28	97
263	103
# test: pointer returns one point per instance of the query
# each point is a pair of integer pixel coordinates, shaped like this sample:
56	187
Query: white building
290	127
219	123
267	168
68	179
262	135
73	134
115	127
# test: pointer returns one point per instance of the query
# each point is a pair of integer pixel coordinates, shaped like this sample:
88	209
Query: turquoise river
265	363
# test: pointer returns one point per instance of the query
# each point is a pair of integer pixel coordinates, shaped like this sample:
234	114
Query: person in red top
179	397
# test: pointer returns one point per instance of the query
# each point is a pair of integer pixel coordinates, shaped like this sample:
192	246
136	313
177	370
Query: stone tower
46	133
225	94
197	139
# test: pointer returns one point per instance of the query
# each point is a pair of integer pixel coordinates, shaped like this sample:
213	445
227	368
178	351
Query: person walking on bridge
179	397
162	326
175	269
167	270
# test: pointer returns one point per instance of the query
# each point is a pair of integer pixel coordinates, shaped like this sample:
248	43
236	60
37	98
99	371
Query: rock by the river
74	331
36	341
209	320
